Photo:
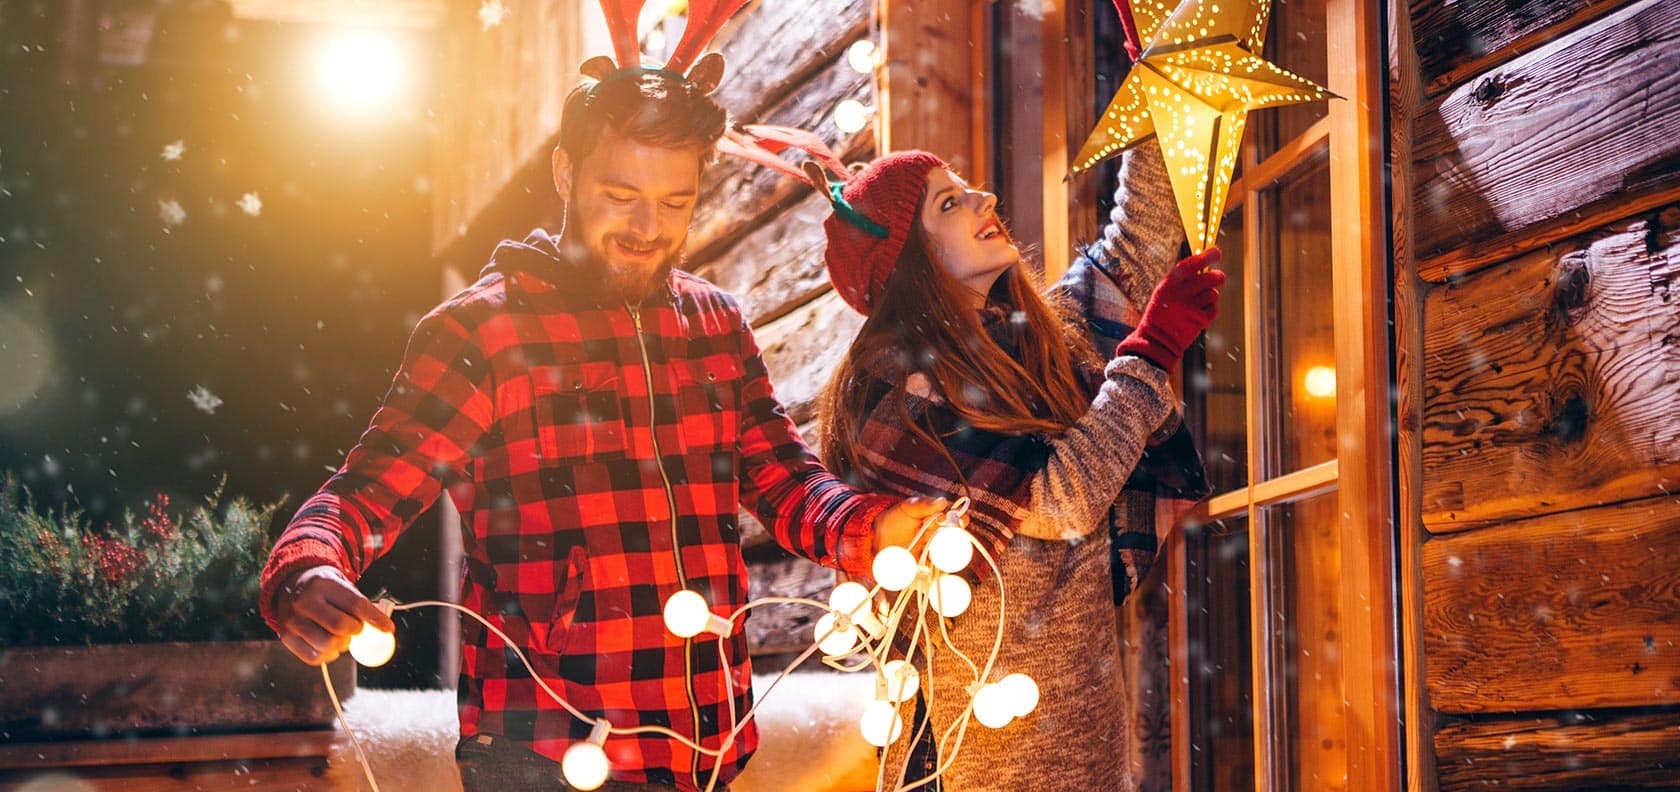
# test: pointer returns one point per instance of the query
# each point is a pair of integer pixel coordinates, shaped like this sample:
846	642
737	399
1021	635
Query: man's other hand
318	611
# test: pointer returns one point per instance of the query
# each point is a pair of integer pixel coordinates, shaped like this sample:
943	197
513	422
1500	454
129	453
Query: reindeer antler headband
762	144
705	19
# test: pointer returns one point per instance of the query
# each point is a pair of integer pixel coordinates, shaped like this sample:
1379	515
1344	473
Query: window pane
1222	671
1215	384
1306	627
1295	41
1300	353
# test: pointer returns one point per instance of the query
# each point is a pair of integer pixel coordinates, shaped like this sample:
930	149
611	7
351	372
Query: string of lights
853	634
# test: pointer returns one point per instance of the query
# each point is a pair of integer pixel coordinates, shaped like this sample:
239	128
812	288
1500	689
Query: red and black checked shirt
598	454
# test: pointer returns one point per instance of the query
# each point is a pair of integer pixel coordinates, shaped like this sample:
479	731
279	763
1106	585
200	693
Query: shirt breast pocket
709	400
579	417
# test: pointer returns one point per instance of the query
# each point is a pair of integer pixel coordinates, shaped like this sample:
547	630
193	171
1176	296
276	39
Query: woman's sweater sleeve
1141	241
1089	463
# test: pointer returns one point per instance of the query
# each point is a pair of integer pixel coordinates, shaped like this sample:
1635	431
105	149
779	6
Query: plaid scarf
995	470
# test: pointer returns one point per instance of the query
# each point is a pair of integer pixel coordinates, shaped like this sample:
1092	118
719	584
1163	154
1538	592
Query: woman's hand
898	525
1182	307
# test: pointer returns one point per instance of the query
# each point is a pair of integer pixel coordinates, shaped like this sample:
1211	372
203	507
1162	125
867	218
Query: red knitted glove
1180	309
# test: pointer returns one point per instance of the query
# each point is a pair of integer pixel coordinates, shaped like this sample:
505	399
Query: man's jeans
493	764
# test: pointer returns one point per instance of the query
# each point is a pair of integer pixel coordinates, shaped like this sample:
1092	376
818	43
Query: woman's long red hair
926	323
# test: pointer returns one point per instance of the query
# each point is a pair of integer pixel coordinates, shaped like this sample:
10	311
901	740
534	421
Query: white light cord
874	654
361	756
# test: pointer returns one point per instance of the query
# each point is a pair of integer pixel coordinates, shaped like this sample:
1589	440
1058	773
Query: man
597	416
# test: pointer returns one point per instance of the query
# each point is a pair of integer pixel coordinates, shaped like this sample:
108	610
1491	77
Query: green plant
157	577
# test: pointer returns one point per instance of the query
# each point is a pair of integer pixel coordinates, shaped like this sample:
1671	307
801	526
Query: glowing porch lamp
360	70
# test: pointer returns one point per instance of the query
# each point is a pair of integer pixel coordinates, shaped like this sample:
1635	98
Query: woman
965	381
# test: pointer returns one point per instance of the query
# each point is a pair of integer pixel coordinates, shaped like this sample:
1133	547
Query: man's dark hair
653	108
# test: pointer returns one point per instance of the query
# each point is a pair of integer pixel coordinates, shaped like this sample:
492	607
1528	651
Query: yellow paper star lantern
1198	77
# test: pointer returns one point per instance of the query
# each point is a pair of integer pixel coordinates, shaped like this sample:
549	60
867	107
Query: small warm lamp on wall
1319	382
1196	75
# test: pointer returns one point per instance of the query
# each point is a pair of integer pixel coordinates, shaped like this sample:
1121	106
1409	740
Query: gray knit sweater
1059	622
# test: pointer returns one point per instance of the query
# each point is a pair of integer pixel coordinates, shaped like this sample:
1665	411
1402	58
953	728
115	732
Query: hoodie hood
537	265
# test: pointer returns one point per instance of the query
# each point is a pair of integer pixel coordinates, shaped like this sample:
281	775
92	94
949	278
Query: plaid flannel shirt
598	454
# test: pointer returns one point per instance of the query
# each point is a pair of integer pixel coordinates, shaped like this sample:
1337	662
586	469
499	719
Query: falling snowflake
250	204
171	212
203	399
492	12
173	151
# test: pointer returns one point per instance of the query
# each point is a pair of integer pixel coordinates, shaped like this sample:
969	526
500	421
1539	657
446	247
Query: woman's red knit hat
874	208
872	220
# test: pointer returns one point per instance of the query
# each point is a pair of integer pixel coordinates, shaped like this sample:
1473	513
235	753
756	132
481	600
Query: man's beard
621	283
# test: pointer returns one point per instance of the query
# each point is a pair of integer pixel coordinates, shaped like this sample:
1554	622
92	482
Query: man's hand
319	610
899	524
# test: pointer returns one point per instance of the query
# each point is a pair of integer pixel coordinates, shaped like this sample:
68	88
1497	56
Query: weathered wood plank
802	349
927	80
736	195
1584	751
1456	39
779	266
1566	136
1565	611
1553	381
783	628
773	47
493	144
1405	94
247	775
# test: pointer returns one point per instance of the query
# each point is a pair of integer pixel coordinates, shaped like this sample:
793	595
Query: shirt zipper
676	543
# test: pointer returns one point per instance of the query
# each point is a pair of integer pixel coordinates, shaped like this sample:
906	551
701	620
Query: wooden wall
757	234
1537	185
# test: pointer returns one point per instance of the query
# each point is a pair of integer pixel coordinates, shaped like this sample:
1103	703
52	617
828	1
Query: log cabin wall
756	233
1536	151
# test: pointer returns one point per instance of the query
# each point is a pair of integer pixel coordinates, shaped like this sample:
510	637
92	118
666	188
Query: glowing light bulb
585	764
1319	382
951	596
861	56
849	598
851	116
688	615
951	549
685	614
902	680
992	706
1022	693
852	599
831	641
880	723
372	646
894	568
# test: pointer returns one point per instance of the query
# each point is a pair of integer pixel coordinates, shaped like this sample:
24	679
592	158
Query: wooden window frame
1362	472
